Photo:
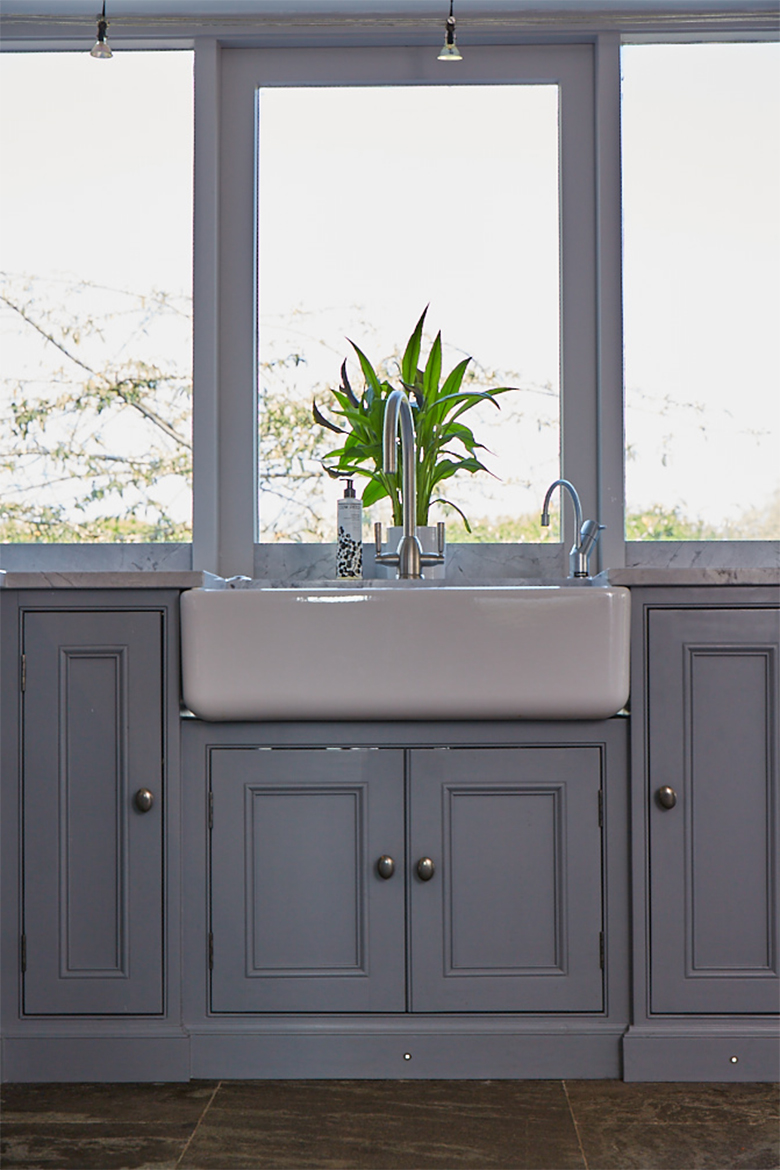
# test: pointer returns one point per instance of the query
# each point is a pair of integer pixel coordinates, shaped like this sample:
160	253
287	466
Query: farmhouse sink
453	652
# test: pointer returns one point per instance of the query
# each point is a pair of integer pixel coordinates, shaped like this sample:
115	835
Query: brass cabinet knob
425	869
144	799
385	866
666	797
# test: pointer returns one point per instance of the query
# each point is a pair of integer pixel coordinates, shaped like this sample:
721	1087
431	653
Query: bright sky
376	202
448	195
96	167
701	197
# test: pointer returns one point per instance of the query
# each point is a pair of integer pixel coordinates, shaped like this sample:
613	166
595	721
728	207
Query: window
402	76
373	203
701	193
241	251
95	297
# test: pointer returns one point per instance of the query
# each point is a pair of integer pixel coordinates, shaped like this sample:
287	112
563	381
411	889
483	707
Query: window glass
701	206
95	296
373	204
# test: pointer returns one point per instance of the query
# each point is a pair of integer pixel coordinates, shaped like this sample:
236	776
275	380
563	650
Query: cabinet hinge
601	949
24	672
601	808
211	951
23	952
211	810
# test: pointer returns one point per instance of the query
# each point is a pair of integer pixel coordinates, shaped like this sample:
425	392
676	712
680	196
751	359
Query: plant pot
428	538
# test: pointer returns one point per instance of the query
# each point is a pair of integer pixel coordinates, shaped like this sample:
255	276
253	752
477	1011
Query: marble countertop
107	579
696	576
184	579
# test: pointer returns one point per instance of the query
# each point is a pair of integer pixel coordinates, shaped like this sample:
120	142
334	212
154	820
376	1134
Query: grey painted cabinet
92	737
301	919
704	777
499	895
713	855
512	918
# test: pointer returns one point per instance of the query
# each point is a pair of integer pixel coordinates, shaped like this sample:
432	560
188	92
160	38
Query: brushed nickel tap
580	552
409	558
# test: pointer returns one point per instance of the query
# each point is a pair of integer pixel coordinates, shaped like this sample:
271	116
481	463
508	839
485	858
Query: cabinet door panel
301	919
713	856
92	736
511	919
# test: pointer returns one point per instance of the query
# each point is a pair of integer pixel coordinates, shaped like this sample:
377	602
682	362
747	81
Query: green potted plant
445	445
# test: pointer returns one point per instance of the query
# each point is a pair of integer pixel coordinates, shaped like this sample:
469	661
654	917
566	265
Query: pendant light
101	48
449	50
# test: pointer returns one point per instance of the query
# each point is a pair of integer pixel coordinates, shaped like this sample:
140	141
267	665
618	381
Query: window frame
224	219
226	486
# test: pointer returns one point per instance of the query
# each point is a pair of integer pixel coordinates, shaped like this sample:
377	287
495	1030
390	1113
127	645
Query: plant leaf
432	373
368	370
412	351
373	491
449	504
346	386
319	417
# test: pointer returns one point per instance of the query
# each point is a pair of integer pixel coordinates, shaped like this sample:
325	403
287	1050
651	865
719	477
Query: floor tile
100	1126
123	1152
163	1105
397	1125
677	1126
682	1101
620	1145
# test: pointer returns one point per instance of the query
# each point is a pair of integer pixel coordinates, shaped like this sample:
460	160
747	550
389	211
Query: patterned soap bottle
349	551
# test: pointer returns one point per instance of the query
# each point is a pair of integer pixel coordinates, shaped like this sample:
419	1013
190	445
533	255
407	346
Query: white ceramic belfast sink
455	652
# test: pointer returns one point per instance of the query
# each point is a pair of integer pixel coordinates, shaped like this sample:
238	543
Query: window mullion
611	504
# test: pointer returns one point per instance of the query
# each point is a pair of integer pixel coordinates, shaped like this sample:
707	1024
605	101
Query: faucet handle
388	558
579	557
589	534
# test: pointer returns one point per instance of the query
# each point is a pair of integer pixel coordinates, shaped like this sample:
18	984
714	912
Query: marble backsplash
296	563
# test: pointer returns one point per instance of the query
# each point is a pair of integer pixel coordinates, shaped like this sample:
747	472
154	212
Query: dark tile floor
368	1125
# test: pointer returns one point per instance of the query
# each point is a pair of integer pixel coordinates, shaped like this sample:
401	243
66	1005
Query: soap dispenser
349	551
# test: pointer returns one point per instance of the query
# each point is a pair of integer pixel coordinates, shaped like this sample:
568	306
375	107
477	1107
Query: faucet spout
398	415
398	411
409	557
575	499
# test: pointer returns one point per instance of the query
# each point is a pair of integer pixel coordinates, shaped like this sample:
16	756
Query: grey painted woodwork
511	919
704	725
713	695
92	864
469	1041
301	918
286	881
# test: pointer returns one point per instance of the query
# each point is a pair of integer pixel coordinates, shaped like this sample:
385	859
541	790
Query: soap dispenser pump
349	551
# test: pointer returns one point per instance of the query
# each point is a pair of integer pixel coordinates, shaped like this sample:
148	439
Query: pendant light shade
101	48
449	50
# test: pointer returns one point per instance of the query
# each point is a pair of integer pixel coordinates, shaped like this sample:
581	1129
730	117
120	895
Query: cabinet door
713	855
92	736
301	919
511	919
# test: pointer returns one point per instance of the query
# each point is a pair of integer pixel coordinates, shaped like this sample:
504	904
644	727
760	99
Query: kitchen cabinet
490	900
92	749
90	961
471	898
301	919
705	790
712	755
511	920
